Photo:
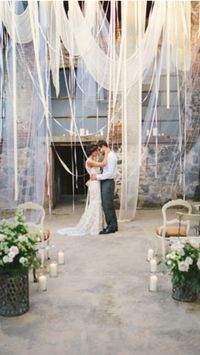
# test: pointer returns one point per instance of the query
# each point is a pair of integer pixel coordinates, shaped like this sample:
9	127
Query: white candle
153	265
42	256
150	254
61	257
47	250
53	270
42	282
87	132
153	284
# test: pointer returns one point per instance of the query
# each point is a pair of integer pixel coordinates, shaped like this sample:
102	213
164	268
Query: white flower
183	266
171	255
22	238
22	260
14	250
11	254
6	259
177	247
189	260
194	243
169	262
198	263
2	237
181	252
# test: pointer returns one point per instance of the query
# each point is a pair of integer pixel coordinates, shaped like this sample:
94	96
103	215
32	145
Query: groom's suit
107	191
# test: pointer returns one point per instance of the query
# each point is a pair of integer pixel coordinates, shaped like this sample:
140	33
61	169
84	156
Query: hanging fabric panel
22	28
89	49
29	128
133	22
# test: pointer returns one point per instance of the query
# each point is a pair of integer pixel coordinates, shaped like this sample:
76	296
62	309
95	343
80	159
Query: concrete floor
100	303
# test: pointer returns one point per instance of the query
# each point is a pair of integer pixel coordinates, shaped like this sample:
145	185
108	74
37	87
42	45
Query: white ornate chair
36	227
173	226
28	208
194	219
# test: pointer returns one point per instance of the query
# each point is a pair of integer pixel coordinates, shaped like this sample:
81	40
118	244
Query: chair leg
42	252
34	275
48	257
163	246
157	247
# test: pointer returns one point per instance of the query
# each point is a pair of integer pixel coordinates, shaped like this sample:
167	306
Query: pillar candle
153	284
150	254
42	256
153	265
42	282
61	257
53	269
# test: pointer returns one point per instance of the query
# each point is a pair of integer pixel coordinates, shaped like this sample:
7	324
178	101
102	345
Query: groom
108	187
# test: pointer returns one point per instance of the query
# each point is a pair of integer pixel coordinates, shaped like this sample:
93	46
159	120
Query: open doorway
64	183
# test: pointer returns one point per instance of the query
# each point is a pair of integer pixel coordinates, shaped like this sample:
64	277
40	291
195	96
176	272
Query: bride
91	222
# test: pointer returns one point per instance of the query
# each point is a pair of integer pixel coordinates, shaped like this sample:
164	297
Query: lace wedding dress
91	222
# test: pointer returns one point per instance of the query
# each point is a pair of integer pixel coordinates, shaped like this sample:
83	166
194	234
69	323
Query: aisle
100	303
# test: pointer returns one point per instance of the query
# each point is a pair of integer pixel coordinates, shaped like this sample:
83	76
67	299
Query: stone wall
160	182
25	178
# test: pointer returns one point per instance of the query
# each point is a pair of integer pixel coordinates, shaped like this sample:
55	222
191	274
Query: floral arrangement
17	246
184	264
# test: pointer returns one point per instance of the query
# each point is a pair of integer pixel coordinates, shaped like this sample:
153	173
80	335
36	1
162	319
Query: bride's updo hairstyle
90	149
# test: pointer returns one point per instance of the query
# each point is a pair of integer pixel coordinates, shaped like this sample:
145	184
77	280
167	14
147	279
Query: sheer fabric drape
118	64
24	152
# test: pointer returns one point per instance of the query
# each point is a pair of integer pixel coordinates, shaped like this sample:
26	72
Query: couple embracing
99	204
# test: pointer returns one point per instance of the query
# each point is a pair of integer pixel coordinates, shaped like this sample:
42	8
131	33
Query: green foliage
184	264
17	246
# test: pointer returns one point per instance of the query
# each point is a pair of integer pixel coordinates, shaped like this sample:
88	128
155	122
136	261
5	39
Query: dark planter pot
14	294
184	293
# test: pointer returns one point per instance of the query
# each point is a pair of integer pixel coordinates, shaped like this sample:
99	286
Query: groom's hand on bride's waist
93	176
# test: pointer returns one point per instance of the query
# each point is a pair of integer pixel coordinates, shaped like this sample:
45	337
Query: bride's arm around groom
108	187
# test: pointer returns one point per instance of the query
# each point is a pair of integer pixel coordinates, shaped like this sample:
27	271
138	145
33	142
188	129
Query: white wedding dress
91	222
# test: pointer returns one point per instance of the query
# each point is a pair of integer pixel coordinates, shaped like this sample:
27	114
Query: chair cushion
46	234
172	231
36	234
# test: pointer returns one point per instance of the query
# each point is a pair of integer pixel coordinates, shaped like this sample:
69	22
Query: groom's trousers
107	196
